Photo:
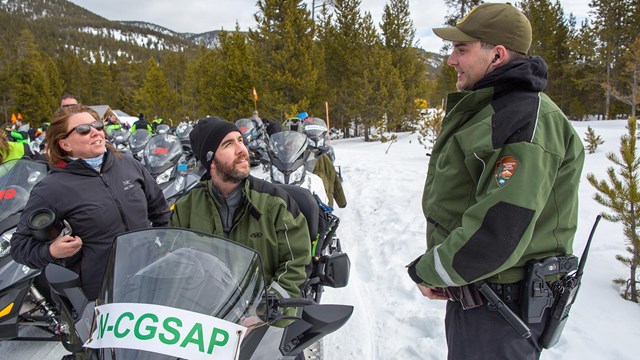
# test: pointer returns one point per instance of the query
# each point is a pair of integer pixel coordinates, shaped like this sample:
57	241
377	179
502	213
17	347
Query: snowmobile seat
307	204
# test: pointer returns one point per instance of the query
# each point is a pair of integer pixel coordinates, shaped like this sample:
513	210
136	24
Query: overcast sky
198	16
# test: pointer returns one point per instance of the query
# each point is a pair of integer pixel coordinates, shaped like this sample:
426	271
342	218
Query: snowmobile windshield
182	184
120	136
161	150
163	129
247	127
17	178
139	139
197	274
183	130
288	146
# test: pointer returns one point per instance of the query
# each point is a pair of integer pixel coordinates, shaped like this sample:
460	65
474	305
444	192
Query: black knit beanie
207	135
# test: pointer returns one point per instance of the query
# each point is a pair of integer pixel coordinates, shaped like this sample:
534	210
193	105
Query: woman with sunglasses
97	190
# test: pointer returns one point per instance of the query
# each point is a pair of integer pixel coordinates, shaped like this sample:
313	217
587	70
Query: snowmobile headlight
165	176
297	175
277	175
5	242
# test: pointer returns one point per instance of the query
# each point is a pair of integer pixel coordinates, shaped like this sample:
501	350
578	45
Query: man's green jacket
502	183
268	221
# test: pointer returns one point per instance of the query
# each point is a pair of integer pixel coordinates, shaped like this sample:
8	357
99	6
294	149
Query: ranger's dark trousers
483	334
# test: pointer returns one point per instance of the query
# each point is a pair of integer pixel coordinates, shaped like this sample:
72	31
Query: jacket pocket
439	224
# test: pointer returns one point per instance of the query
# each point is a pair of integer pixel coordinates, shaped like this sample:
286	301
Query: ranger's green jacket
268	221
327	172
502	184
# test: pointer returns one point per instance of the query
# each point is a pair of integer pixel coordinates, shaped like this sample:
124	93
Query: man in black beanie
233	204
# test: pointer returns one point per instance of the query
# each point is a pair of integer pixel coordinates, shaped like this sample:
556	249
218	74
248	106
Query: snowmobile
182	132
173	165
120	140
256	139
318	134
23	302
329	265
161	155
175	293
137	142
288	156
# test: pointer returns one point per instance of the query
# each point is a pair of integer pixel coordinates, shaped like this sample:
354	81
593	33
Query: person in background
93	187
11	150
68	100
155	122
501	188
141	124
231	203
19	131
324	168
111	122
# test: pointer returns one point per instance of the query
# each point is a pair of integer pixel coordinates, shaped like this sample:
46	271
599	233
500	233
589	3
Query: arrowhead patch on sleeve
505	168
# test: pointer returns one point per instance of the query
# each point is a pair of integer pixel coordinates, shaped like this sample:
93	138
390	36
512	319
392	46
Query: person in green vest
141	124
111	122
155	122
20	131
11	150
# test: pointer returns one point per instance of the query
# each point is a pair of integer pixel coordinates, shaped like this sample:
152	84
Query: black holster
467	295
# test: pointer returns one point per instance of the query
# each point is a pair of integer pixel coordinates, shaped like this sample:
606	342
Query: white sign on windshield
315	127
165	330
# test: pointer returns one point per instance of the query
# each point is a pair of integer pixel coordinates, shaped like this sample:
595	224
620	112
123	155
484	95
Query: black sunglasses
69	105
84	129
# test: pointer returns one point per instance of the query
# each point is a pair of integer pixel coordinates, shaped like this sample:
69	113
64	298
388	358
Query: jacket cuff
411	269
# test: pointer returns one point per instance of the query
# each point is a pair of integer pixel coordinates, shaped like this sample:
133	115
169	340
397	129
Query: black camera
45	226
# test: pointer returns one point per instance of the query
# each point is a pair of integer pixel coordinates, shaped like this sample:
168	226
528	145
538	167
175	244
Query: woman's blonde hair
4	146
58	129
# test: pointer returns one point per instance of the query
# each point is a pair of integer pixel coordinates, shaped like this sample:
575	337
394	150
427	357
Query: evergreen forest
367	74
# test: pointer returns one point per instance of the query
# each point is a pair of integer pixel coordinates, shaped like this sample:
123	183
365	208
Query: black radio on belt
537	296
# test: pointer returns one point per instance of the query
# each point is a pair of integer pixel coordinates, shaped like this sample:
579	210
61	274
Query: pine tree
631	81
103	89
614	28
284	36
430	127
31	88
622	197
199	87
384	94
551	36
398	33
345	54
459	8
583	74
236	75
156	97
592	140
174	68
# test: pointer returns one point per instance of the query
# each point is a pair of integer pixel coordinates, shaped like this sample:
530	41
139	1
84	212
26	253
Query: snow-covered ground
382	229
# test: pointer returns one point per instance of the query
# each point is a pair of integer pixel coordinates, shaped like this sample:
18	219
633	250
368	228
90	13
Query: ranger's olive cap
494	23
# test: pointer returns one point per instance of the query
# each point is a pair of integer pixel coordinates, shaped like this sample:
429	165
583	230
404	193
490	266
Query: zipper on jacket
118	205
432	222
